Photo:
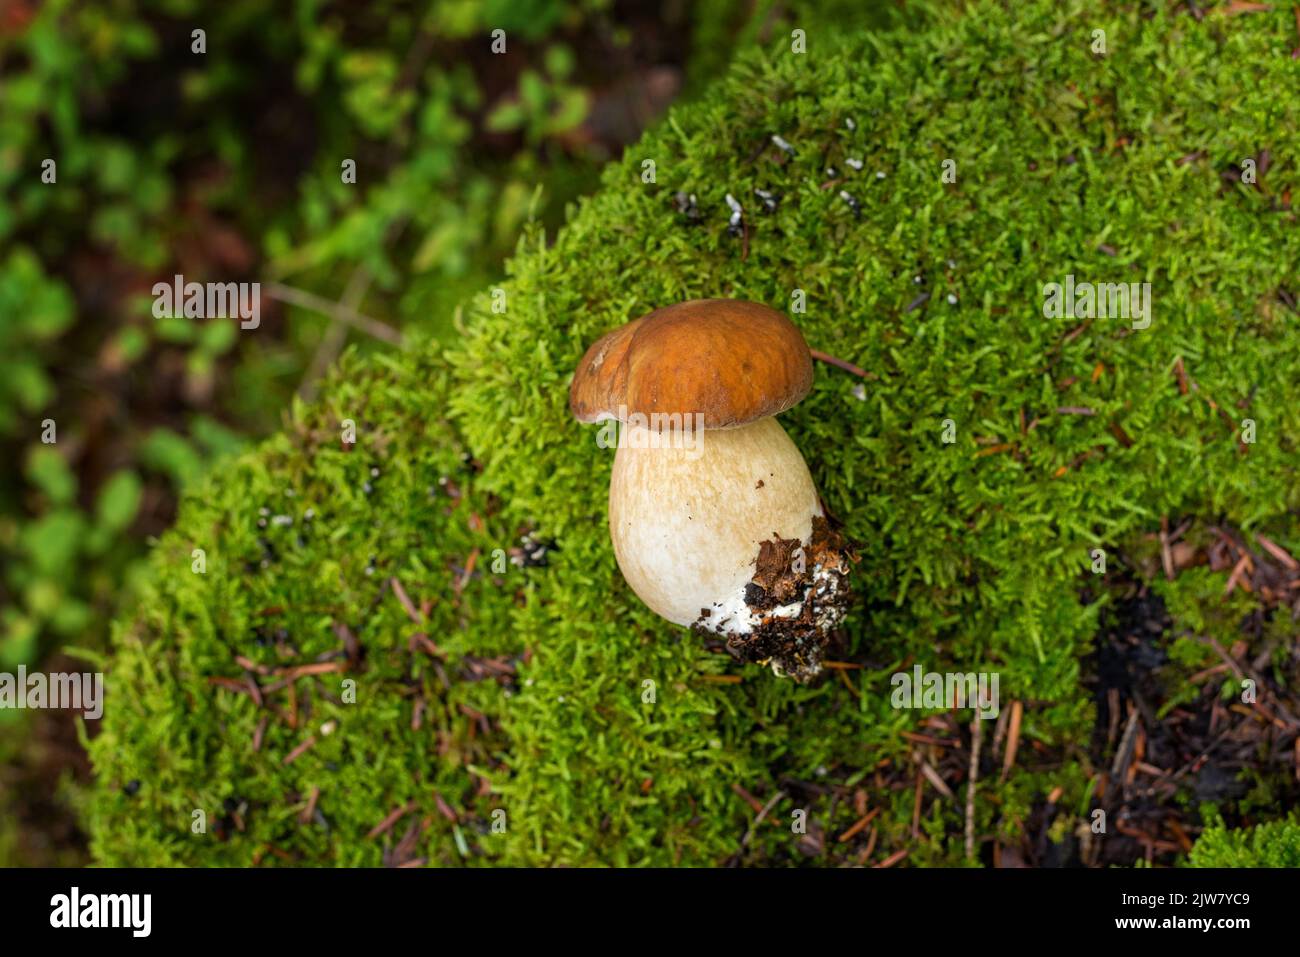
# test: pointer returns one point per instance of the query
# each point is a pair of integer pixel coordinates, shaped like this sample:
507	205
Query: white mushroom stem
687	523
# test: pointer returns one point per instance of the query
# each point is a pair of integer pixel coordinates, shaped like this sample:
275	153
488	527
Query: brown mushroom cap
730	360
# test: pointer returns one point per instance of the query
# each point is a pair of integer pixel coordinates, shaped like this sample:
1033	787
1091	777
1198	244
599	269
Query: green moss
1274	844
971	562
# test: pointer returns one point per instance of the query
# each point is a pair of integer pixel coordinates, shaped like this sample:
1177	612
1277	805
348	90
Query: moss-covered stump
533	711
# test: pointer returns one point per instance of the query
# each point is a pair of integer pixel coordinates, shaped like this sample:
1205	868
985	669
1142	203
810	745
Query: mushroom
714	517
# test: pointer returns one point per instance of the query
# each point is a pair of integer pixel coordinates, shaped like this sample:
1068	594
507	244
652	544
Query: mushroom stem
723	529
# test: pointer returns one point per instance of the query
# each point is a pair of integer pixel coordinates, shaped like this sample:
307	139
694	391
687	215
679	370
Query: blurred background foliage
227	165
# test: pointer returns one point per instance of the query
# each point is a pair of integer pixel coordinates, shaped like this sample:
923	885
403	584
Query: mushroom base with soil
727	534
798	595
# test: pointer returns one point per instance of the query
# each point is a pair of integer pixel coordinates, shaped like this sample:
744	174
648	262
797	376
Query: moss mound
1275	844
529	712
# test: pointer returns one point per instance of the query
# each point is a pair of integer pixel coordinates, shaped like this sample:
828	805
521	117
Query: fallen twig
337	310
840	363
393	817
1013	738
977	736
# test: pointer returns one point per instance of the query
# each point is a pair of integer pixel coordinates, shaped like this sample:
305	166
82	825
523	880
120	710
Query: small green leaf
119	501
506	117
49	472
